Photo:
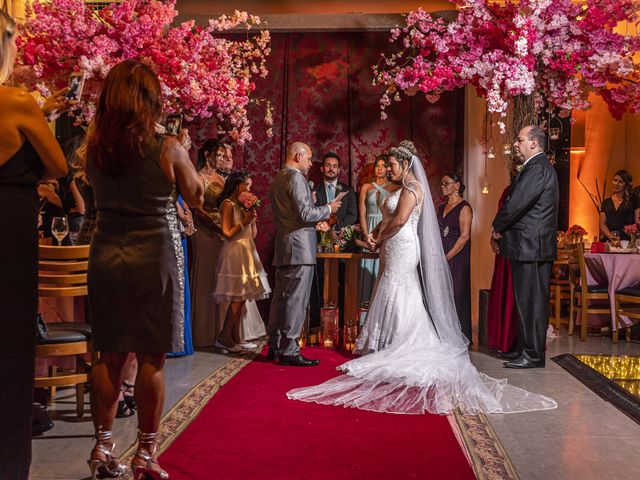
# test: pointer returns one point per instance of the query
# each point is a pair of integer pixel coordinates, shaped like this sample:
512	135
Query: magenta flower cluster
557	51
202	74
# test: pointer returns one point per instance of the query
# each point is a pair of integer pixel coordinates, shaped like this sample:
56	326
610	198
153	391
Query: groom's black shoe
512	355
523	362
272	354
297	361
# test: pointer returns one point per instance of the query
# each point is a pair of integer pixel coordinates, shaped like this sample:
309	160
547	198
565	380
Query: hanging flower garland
202	75
556	51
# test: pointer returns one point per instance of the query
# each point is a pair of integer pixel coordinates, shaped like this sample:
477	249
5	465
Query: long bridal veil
426	368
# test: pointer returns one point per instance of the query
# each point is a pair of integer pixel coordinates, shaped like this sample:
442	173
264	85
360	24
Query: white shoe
248	345
224	349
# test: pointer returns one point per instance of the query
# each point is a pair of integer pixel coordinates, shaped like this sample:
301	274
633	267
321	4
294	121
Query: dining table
617	271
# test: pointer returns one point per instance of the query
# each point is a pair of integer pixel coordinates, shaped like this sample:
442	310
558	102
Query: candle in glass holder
328	343
312	339
336	248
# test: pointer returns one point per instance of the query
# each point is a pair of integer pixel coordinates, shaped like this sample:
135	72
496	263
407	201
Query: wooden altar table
351	277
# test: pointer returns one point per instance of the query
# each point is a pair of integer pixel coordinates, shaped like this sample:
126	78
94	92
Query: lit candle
312	339
336	248
328	343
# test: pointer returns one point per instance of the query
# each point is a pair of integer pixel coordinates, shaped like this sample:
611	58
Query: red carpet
250	430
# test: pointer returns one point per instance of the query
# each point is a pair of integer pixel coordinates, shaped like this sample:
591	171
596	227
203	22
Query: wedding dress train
407	364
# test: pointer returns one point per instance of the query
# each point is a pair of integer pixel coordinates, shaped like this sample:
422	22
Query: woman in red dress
502	315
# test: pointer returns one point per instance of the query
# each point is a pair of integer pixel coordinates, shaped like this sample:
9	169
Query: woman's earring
457	193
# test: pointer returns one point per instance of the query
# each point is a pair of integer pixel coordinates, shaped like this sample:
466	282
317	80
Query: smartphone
173	124
74	88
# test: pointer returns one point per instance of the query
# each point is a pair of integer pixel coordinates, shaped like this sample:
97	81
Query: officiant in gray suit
295	254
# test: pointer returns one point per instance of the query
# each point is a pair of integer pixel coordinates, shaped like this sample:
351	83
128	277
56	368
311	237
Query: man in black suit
346	215
526	228
330	188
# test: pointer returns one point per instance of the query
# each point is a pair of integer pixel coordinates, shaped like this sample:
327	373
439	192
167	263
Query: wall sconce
486	187
507	149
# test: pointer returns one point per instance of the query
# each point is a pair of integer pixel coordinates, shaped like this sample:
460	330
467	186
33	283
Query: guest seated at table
619	209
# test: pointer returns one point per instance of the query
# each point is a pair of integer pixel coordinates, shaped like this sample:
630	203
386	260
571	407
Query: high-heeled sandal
110	467
127	406
147	472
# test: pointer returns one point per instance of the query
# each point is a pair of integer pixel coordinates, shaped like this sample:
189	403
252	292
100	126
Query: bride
414	357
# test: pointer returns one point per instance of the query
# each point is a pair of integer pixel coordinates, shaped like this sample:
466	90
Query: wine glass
615	238
59	228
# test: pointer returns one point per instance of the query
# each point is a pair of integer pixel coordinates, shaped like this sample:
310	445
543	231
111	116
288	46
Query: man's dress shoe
297	361
512	355
272	354
522	362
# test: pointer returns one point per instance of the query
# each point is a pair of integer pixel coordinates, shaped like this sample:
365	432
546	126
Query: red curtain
320	87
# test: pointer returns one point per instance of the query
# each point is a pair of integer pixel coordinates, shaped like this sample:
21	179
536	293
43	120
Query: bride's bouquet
248	200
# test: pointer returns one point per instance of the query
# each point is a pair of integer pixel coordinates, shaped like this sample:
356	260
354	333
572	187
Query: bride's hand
372	244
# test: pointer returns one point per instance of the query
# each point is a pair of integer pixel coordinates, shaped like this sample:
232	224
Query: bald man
295	254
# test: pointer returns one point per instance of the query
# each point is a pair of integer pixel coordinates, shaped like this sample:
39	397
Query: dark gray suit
347	214
295	257
528	222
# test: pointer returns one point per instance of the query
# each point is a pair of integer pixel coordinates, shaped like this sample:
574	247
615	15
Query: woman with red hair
135	274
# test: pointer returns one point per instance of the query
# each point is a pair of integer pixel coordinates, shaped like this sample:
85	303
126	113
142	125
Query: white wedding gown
405	367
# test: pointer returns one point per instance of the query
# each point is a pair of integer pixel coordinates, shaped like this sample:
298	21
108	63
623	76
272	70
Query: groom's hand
334	206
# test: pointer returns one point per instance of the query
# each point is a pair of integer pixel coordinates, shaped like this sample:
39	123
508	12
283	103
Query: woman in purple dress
455	217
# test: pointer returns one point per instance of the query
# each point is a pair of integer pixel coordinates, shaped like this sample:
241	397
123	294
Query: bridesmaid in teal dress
371	197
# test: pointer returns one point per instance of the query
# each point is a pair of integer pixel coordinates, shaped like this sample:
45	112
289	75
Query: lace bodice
400	254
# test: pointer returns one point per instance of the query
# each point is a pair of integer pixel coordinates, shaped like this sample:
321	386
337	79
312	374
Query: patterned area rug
487	456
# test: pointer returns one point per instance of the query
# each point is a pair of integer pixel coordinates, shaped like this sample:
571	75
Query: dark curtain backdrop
320	86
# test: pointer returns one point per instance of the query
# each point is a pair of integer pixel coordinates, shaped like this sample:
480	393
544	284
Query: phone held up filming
174	124
74	88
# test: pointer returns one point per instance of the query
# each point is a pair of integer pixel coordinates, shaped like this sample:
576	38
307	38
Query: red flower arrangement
248	200
576	230
631	229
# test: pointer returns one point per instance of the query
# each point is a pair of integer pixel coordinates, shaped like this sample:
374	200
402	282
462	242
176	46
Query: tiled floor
585	438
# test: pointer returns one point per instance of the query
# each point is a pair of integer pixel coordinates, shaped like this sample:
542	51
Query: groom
526	228
295	254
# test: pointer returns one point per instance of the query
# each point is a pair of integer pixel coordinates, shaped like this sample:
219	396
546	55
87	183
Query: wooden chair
560	288
583	295
63	273
628	305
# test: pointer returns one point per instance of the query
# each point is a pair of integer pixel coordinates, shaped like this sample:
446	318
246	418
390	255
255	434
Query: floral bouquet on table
347	238
326	229
248	200
632	230
575	233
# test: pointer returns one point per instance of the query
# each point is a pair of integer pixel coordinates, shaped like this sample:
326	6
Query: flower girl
240	275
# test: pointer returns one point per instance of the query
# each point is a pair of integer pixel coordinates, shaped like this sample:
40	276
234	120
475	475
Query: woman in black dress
135	274
28	153
620	209
455	217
